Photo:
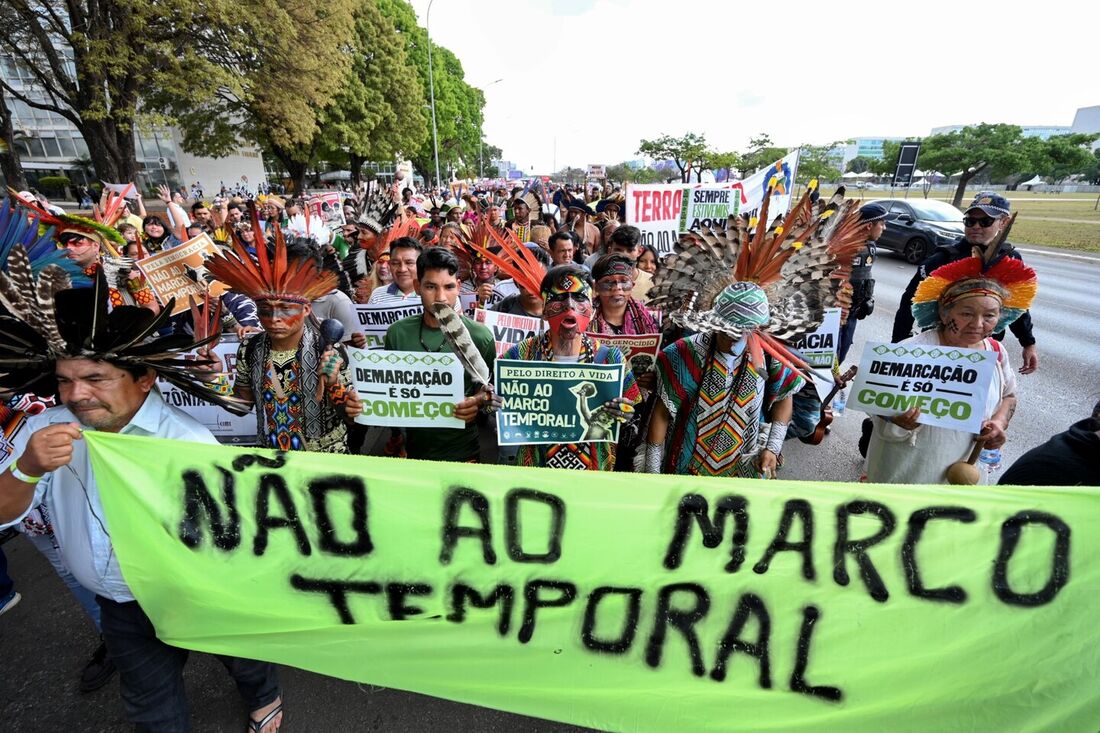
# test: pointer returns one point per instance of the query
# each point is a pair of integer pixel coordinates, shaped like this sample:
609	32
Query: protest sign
664	211
622	602
818	349
407	389
655	210
125	190
949	384
375	319
639	350
546	403
166	272
508	330
226	427
328	207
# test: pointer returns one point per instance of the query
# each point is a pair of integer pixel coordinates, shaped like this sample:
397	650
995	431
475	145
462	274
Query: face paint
568	313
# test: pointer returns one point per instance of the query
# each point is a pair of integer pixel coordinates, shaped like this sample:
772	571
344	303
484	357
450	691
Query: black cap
991	203
872	212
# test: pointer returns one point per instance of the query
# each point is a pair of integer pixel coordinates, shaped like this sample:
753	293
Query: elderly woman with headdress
961	306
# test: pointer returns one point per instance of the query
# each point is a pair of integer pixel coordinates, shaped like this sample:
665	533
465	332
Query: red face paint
568	314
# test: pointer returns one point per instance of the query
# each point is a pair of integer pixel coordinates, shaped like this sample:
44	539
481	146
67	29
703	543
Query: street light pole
431	88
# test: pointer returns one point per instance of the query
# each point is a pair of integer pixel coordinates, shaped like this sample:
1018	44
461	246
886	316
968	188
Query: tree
281	85
1066	155
458	106
572	176
377	112
685	152
9	153
93	61
815	161
858	164
722	163
620	172
1091	170
647	175
761	153
995	150
888	163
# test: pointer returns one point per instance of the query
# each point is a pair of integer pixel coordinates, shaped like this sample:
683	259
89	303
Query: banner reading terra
590	598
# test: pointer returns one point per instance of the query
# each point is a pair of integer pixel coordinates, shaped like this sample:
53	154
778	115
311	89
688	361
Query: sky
583	81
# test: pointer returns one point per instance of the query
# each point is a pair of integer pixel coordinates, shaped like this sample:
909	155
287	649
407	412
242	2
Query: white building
1087	120
50	145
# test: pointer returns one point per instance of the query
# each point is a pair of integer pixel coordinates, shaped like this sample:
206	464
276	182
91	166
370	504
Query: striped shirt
392	295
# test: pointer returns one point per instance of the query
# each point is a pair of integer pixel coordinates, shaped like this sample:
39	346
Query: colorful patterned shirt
715	401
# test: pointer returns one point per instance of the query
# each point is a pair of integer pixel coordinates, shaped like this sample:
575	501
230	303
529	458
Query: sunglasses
985	222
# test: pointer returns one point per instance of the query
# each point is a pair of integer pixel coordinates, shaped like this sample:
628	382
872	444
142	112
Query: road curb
1064	255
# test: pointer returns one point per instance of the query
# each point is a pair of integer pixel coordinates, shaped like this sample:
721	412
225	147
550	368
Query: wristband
220	385
25	478
654	457
776	434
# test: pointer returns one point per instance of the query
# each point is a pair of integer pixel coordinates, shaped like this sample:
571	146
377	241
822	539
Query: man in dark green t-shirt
437	282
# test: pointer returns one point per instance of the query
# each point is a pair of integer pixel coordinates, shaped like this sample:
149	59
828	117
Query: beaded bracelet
220	385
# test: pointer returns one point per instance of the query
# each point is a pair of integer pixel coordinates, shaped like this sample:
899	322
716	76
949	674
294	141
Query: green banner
622	601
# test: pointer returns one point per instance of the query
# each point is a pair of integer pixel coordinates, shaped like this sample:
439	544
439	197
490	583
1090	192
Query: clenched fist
49	449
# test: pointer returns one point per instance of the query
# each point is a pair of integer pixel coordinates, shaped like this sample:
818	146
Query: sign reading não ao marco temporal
622	601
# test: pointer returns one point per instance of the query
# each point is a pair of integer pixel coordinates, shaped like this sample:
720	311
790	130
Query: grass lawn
1067	221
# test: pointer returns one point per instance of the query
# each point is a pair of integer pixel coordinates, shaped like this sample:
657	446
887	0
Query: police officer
863	285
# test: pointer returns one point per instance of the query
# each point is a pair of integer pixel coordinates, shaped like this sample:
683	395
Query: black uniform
903	320
863	297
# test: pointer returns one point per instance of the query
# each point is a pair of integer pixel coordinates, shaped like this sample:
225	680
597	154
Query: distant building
50	145
504	167
1087	121
1042	132
861	147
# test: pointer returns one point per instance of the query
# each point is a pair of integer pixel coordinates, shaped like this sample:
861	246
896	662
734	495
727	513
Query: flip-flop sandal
255	726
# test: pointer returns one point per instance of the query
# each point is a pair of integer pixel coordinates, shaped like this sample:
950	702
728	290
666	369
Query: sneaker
98	671
9	602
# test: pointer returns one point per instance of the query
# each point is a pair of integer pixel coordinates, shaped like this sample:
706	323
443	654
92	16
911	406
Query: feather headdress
503	249
19	225
50	321
769	283
297	279
1010	281
379	208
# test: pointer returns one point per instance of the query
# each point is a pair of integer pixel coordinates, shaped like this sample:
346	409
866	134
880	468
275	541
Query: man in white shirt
52	467
102	370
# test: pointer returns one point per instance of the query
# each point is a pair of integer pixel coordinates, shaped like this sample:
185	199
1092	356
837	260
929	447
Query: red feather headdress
299	280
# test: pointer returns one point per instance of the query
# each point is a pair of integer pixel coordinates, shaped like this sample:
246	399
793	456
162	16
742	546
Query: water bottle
840	401
990	460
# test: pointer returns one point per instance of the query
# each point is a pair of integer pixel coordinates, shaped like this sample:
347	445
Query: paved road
45	640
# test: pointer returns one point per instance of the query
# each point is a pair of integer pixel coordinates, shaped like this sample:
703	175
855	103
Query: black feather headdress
48	320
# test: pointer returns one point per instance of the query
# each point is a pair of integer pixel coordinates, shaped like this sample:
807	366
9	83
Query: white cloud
585	80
